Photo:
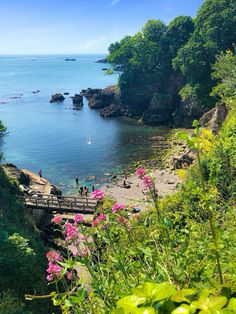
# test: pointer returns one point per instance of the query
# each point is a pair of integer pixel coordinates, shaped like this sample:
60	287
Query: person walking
77	181
40	173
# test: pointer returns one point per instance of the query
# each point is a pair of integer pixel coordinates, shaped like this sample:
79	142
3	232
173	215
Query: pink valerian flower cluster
57	220
101	218
53	256
79	219
140	172
70	231
53	270
148	183
125	223
122	220
69	275
117	207
98	195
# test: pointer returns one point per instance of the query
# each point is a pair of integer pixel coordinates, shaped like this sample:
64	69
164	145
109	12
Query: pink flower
69	275
84	251
79	218
98	195
83	237
140	172
53	256
102	217
95	222
147	183
70	231
57	220
117	207
122	220
54	271
129	227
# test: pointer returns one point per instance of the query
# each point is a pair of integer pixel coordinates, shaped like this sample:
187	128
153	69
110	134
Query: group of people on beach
83	190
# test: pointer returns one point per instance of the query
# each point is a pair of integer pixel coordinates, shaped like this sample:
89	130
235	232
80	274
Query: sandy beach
166	183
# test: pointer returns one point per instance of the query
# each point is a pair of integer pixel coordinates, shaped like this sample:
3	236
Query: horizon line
51	53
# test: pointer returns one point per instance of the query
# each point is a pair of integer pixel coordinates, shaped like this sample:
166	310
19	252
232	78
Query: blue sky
79	26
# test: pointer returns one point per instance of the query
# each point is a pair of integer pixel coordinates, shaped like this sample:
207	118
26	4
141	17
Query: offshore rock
214	118
104	60
77	101
57	98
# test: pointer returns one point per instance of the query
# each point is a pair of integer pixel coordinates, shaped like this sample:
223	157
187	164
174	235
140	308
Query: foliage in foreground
22	263
144	263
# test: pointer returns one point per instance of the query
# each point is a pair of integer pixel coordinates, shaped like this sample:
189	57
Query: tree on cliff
145	59
215	31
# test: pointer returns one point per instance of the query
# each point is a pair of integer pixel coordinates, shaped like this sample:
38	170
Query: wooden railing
58	203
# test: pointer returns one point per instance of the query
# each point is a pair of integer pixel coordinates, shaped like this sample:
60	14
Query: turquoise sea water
64	143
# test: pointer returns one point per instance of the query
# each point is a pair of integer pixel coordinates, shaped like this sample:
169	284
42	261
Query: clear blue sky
79	26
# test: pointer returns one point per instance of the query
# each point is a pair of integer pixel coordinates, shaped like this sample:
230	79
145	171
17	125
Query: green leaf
145	310
232	305
182	309
130	302
210	303
155	292
182	295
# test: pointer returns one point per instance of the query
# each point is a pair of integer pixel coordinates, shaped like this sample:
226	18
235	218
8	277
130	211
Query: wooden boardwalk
60	204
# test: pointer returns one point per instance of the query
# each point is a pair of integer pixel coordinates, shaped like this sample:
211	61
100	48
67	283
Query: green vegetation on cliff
163	62
22	258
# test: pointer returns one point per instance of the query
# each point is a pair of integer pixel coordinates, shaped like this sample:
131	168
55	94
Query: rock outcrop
104	60
111	111
99	98
30	184
214	118
187	112
77	101
159	110
57	98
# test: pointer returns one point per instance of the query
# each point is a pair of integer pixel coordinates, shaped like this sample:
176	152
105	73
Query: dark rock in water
90	92
66	93
104	69
99	98
214	118
111	111
187	112
77	101
57	98
159	110
70	59
102	61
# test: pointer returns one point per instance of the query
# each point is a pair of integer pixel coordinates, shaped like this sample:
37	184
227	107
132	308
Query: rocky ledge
161	109
29	182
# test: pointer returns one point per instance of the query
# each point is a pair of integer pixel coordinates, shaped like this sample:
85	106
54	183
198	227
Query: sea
62	142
